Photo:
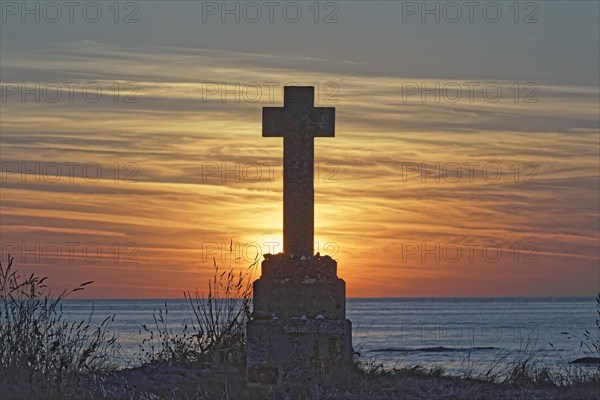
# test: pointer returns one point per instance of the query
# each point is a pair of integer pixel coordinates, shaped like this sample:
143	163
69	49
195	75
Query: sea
461	335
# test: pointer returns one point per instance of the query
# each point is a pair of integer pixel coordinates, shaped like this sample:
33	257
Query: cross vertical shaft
298	122
298	195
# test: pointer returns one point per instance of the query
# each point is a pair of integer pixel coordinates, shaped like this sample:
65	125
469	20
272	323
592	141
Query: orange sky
162	185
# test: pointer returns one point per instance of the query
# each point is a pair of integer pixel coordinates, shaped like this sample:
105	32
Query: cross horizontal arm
282	121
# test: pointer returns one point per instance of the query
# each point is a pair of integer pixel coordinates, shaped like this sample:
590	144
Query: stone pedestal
277	348
299	320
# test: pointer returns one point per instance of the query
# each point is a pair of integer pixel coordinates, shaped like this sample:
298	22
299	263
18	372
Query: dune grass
216	333
42	354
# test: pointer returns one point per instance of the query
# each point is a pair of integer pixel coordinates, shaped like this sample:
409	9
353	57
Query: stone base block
290	288
289	299
277	348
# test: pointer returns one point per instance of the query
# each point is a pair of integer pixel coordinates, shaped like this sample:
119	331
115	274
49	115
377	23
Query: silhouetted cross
298	122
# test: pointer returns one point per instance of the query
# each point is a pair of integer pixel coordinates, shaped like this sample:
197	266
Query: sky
465	162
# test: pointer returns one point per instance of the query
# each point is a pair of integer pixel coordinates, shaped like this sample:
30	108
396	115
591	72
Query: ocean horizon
458	334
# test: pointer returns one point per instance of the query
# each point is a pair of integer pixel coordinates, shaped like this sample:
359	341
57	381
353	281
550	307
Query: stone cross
298	328
298	122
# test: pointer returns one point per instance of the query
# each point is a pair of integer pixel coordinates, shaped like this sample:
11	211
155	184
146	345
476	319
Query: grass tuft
41	354
216	333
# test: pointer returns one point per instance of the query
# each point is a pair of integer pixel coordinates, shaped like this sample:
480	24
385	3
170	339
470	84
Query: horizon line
362	298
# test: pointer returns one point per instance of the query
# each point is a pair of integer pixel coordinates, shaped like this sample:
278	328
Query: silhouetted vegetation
587	340
41	354
216	334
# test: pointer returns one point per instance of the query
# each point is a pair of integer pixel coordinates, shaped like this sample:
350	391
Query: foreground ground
174	383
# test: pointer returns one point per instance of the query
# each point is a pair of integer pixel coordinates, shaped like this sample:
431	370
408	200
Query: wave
439	349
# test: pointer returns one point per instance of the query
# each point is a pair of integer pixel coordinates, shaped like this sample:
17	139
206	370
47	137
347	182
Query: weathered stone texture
277	347
295	288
